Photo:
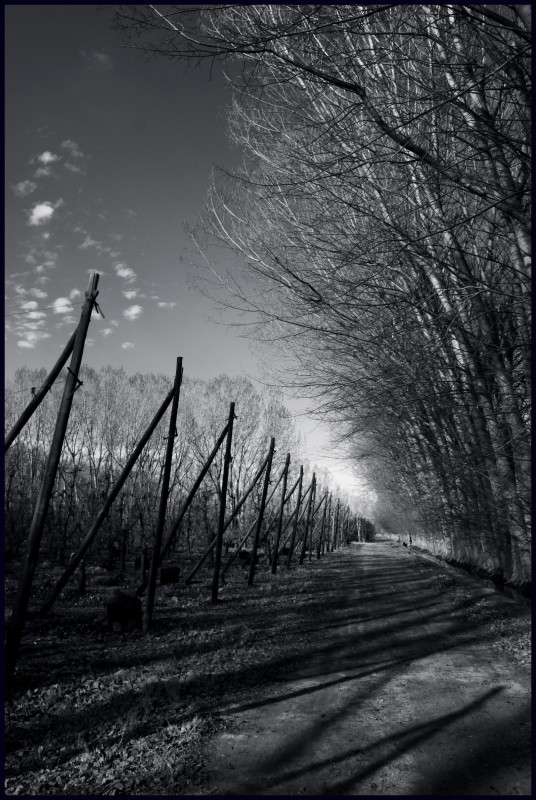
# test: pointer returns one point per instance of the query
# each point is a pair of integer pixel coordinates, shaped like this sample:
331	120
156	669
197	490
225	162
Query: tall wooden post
336	527
155	561
18	617
295	526
281	510
321	534
221	521
308	522
261	512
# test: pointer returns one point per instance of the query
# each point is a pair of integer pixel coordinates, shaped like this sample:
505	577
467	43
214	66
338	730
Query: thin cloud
43	172
31	338
73	168
163	304
73	148
130	294
122	271
88	242
96	58
62	305
106	331
128	345
37	293
133	312
24	188
74	293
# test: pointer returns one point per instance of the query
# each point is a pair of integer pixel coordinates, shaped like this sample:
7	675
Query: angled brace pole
261	512
18	617
245	537
184	508
221	521
153	569
308	522
40	395
295	526
103	513
281	510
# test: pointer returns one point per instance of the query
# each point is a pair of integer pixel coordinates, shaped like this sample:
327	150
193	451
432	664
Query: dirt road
397	693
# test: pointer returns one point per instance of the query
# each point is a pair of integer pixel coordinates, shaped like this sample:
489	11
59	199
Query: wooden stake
281	510
18	617
261	512
155	562
295	526
308	522
221	521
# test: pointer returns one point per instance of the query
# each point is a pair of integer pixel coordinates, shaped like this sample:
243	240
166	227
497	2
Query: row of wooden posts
306	506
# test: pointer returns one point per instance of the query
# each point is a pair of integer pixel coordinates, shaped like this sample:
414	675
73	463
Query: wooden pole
281	510
221	521
212	545
103	513
155	562
18	617
184	508
39	396
308	521
261	512
319	545
295	526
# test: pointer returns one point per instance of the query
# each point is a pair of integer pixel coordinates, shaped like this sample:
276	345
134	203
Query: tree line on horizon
110	413
380	226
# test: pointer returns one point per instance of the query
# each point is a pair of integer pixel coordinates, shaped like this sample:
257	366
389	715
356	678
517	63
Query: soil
373	671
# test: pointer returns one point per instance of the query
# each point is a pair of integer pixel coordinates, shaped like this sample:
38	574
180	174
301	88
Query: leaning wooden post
39	396
155	561
18	617
221	521
237	508
295	526
319	545
309	519
103	513
184	508
281	510
261	512
336	527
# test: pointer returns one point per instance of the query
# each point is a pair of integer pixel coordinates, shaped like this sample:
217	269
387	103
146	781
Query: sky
108	155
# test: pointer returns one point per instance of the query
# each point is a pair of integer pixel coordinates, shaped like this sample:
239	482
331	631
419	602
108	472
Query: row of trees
382	219
109	415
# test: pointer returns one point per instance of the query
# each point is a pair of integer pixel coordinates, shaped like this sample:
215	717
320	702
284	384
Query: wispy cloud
31	338
122	271
163	304
130	294
133	312
37	293
96	58
24	188
106	331
128	345
88	242
73	148
74	293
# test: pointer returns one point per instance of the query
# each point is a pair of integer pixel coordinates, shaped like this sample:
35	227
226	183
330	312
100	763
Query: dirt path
398	693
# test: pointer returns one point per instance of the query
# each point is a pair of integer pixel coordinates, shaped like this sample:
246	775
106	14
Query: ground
373	671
